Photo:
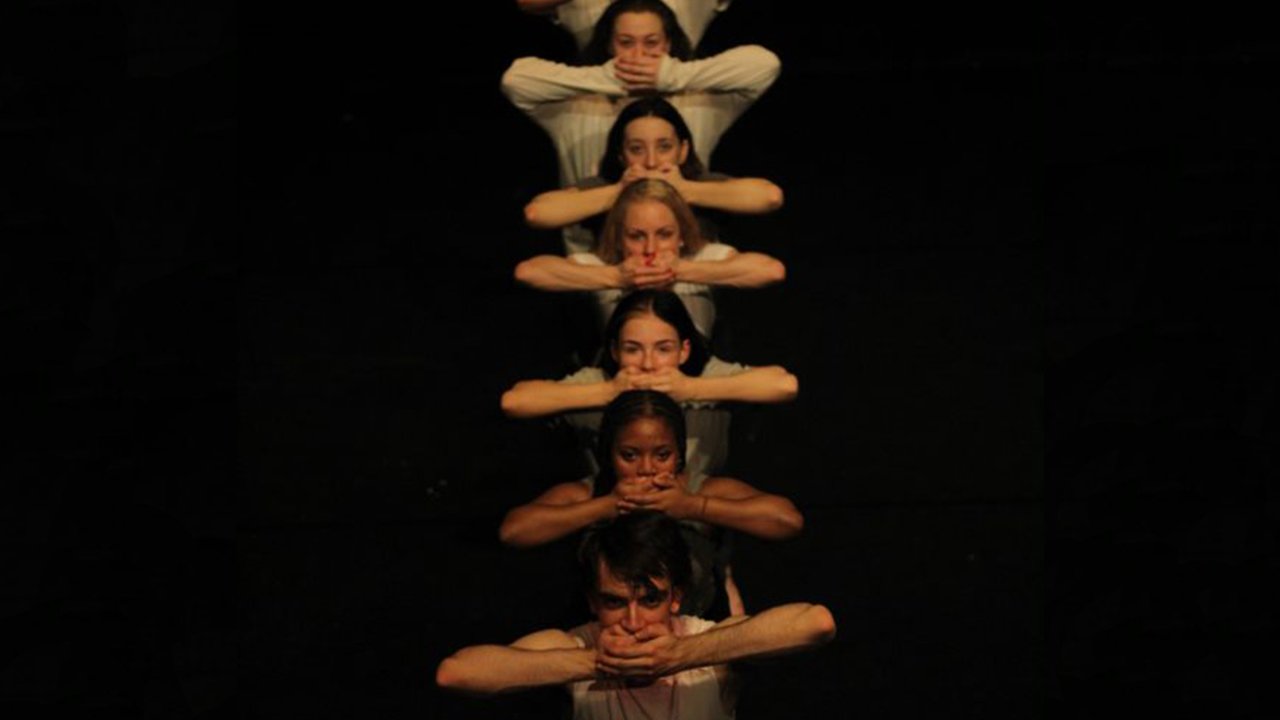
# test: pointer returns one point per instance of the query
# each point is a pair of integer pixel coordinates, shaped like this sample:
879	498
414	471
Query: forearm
739	195
530	82
747	69
533	524
537	398
558	208
770	517
776	631
743	270
490	669
558	274
771	384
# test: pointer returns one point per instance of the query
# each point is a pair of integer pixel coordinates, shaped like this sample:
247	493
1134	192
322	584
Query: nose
650	245
646	361
650	159
631	623
647	465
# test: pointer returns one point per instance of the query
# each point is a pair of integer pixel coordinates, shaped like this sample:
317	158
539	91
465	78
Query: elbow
513	82
513	405
513	533
768	62
526	273
790	522
775	271
821	626
450	675
535	217
788	386
773	198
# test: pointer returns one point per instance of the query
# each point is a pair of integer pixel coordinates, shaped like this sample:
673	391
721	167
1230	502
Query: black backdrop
261	464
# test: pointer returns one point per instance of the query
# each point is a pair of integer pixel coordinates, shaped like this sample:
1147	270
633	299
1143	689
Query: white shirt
577	105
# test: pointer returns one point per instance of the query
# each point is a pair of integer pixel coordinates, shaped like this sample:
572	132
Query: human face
651	142
645	448
634	608
648	343
639	34
650	229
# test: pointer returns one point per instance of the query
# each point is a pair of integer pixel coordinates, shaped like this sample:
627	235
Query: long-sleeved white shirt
577	105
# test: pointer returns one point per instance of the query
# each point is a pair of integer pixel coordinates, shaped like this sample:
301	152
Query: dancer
649	139
579	17
639	657
641	453
652	344
647	52
652	240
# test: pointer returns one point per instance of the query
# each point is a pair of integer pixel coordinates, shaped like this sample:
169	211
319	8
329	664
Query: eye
627	455
663	454
612	603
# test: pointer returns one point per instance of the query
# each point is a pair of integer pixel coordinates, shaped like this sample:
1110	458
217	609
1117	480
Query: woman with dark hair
579	18
640	452
648	140
652	344
652	240
640	49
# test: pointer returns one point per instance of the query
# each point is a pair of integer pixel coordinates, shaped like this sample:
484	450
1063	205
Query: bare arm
537	398
740	270
564	509
776	631
769	384
548	657
720	501
557	274
557	208
734	504
735	195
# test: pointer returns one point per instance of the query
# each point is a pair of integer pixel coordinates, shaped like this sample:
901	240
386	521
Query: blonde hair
609	244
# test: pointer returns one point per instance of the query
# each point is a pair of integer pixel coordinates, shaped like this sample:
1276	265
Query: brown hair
609	243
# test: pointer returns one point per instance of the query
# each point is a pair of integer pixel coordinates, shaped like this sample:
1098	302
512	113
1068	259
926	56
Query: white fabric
696	296
700	693
579	17
577	105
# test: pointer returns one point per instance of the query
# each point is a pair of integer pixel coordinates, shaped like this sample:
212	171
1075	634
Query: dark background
263	313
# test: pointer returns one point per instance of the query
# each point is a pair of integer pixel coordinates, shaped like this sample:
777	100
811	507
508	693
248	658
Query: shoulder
713	177
585	636
547	640
716	367
691	625
586	259
589	183
715	251
585	375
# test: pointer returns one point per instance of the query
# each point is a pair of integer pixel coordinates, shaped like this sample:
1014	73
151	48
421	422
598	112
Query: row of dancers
634	124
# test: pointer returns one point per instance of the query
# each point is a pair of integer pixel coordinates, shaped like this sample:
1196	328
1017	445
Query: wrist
614	278
665	80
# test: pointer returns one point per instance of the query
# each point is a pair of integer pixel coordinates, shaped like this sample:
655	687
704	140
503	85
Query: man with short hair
639	658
